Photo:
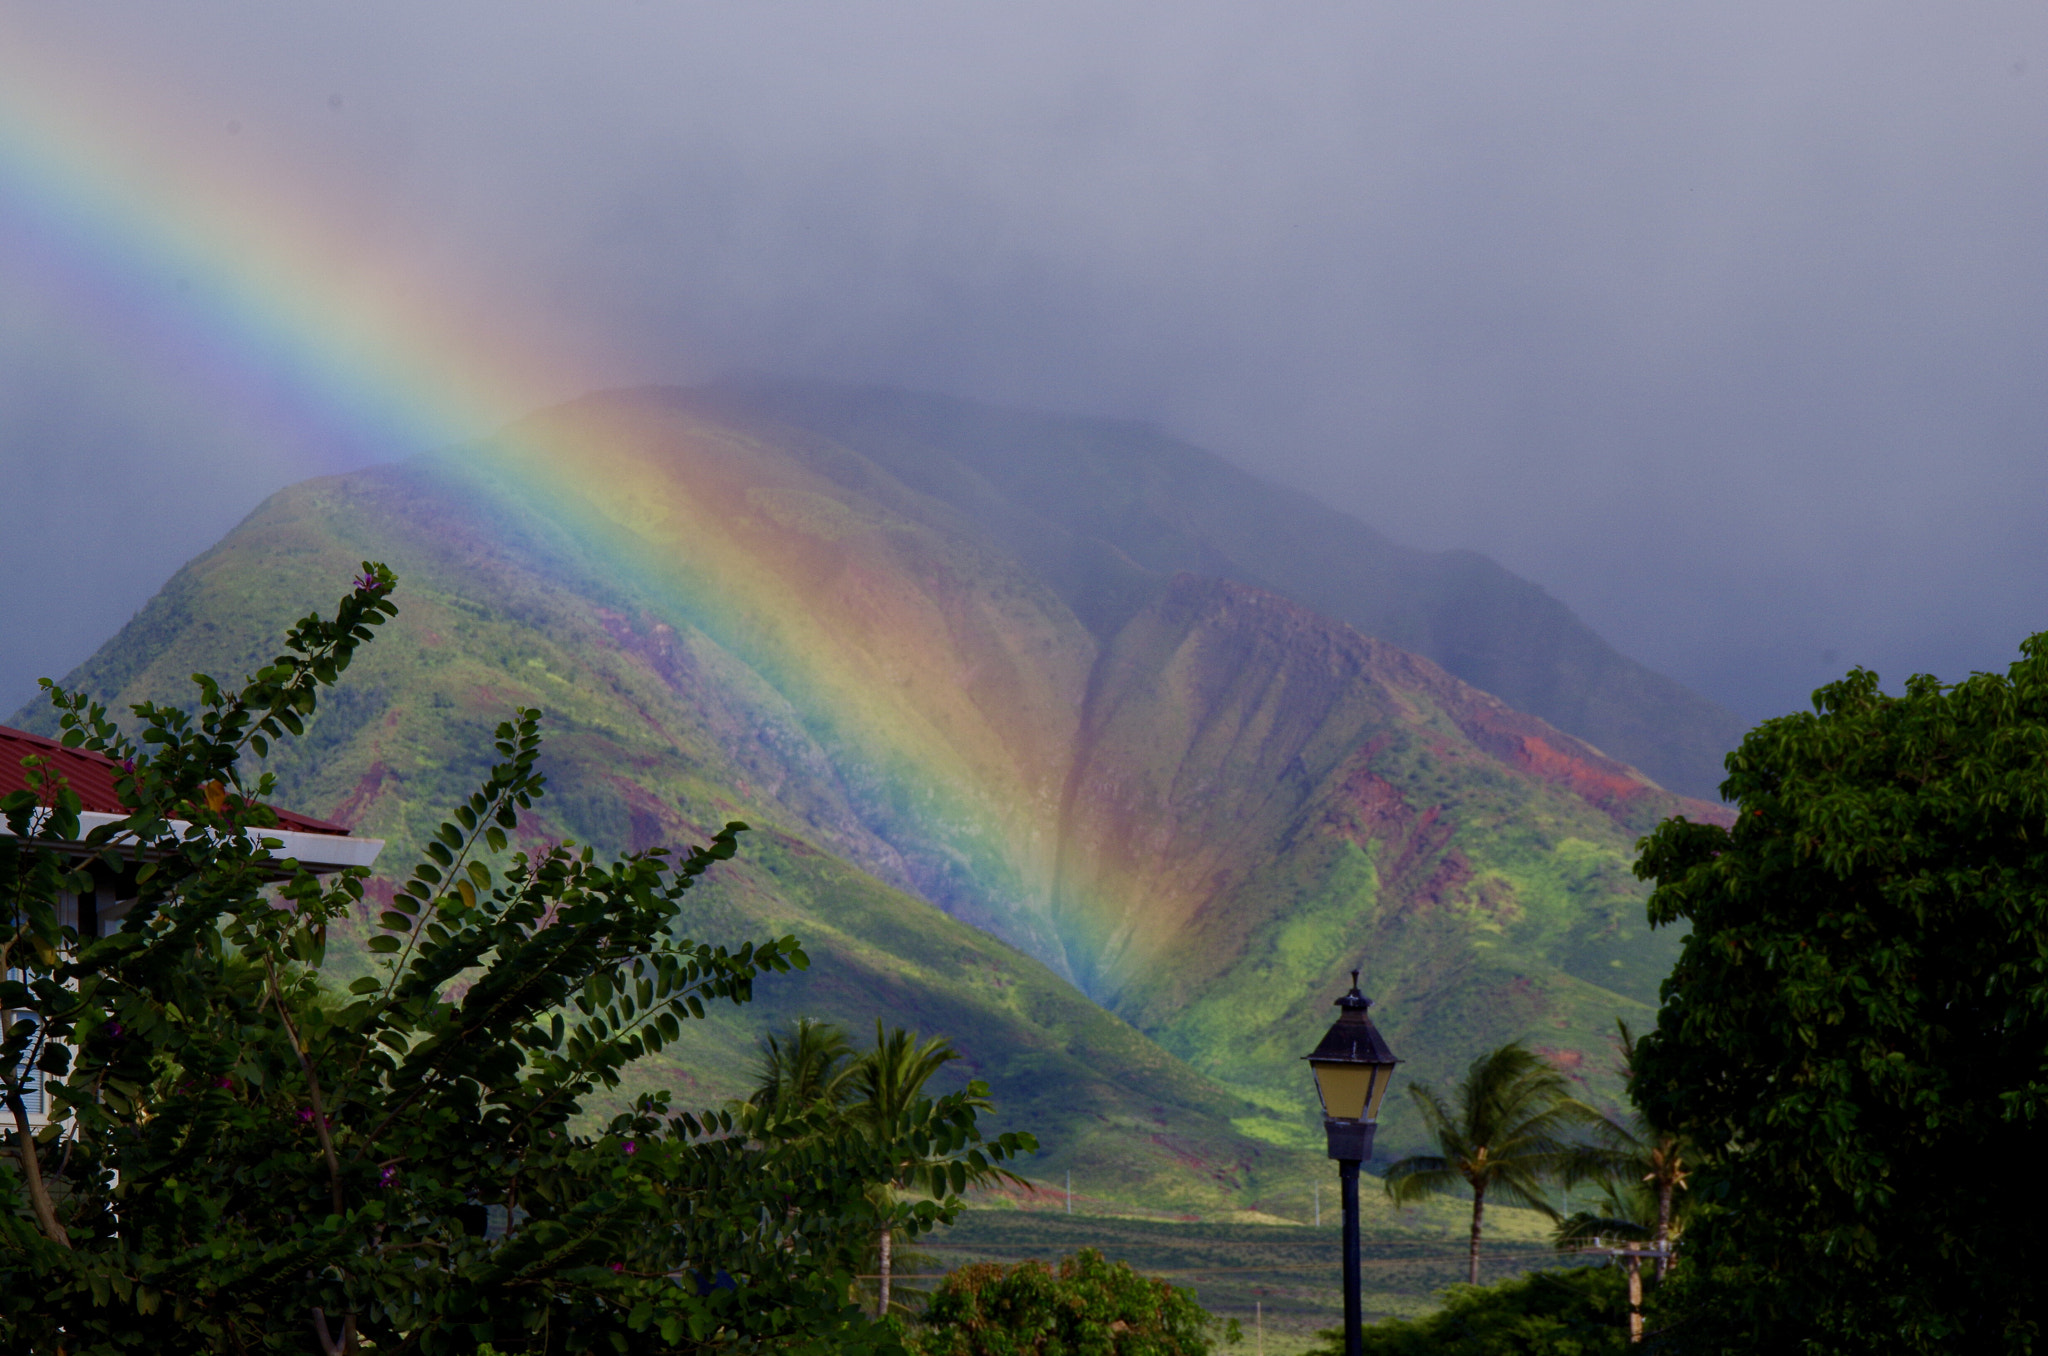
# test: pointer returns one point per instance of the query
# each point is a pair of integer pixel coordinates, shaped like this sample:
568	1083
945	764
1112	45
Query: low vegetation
1087	1305
1582	1311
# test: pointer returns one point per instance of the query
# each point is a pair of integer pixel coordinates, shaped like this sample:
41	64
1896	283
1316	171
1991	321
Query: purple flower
114	1029
618	1267
387	1177
631	1148
223	1082
305	1115
128	765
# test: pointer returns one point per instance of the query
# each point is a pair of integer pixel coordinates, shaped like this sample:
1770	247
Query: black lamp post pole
1354	1304
1352	1067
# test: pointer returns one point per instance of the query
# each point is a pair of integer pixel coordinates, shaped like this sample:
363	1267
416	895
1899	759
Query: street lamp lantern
1352	1067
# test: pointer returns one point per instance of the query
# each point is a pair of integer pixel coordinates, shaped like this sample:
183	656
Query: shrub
1090	1306
1581	1311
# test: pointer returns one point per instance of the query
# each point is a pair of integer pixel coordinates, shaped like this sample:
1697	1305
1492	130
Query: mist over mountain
1059	737
1084	501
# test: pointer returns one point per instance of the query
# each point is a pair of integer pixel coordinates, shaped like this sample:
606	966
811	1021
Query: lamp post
1353	1067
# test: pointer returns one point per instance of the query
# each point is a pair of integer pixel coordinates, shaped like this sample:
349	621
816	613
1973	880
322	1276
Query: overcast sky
1724	322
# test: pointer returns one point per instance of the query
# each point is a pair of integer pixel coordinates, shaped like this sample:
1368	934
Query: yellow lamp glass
1352	1092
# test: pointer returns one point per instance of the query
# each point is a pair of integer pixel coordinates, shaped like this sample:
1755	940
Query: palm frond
1523	1186
890	1078
1599	1163
1444	1127
1421	1175
809	1064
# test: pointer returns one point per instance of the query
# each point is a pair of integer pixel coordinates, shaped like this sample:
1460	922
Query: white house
315	843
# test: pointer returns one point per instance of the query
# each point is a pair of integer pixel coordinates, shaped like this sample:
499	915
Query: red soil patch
1564	1061
1596	784
355	806
1417	865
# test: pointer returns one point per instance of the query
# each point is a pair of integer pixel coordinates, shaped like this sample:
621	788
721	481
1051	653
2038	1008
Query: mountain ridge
1013	471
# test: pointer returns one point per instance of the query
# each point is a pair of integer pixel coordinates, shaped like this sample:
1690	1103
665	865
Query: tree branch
32	1169
319	1106
328	1344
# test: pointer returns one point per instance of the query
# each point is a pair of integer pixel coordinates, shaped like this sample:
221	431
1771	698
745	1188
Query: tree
1855	1037
241	1154
1509	1130
889	1083
1640	1170
1089	1306
812	1066
1628	1215
1580	1311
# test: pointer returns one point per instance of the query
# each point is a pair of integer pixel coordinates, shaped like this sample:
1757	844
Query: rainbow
184	264
948	713
942	685
189	269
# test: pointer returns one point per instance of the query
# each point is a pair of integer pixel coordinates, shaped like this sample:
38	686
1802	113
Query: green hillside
1123	856
1259	790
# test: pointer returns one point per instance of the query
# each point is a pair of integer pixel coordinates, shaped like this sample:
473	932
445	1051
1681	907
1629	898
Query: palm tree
809	1065
812	1067
1509	1129
888	1083
1641	1168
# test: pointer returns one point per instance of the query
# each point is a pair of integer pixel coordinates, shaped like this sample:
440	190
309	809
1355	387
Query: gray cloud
1724	323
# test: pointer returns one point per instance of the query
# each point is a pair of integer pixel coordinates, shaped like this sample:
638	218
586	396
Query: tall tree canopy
1855	1039
244	1160
809	1065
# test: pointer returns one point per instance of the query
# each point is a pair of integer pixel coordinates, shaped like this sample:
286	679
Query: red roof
91	775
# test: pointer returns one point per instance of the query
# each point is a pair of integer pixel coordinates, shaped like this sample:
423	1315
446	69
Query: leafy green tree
1508	1130
1859	1014
243	1160
1581	1311
1089	1306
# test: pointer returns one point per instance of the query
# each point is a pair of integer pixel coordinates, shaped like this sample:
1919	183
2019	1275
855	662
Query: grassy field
1280	1281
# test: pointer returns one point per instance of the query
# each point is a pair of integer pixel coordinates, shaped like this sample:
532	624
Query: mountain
1121	842
1103	507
